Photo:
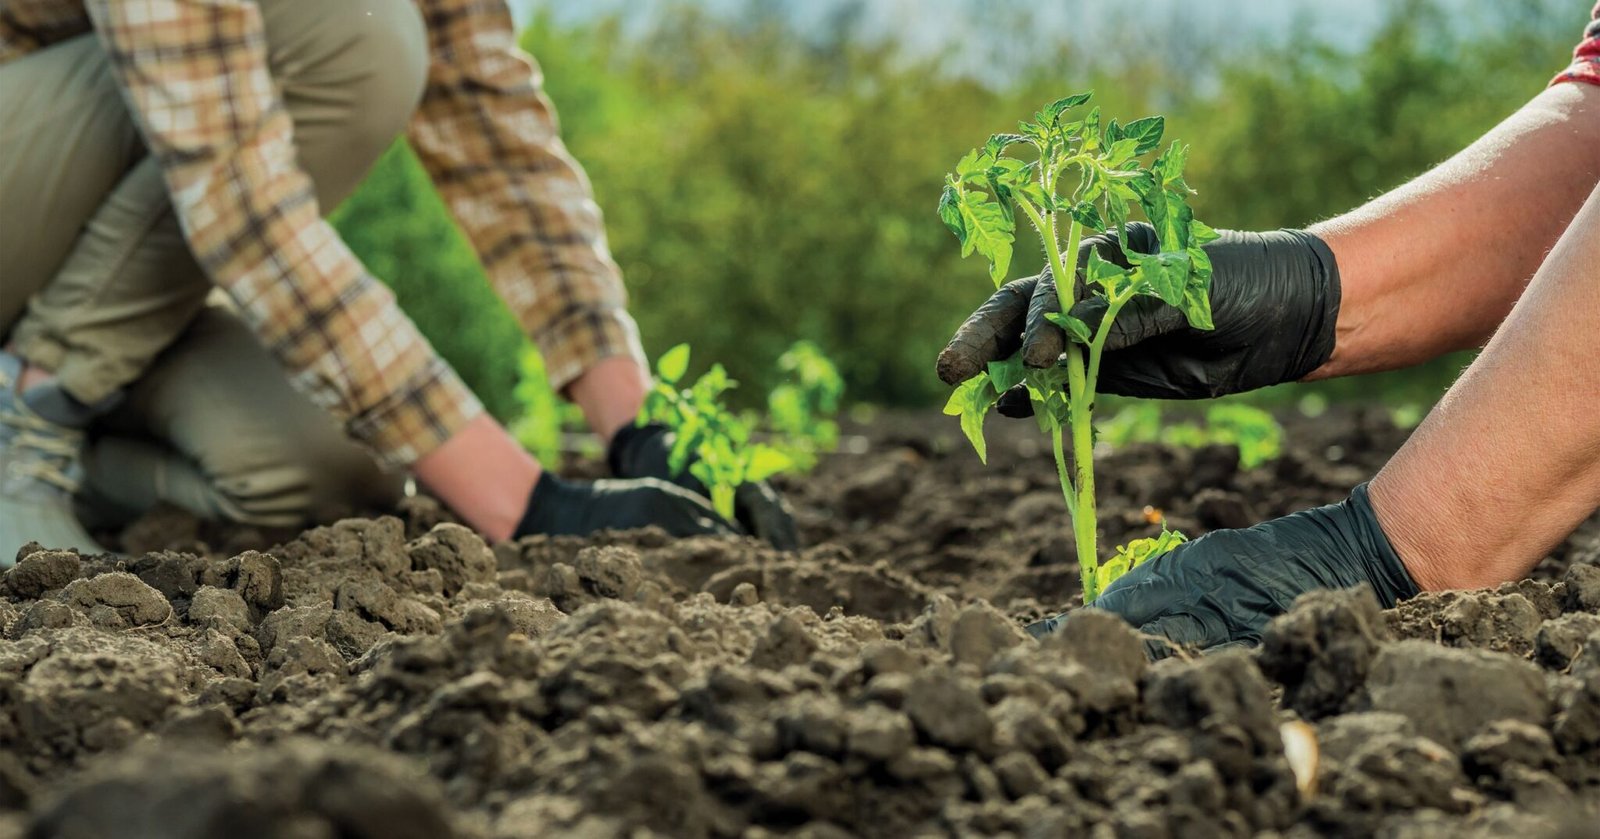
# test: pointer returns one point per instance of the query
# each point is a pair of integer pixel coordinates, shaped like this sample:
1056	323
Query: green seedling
1080	177
1137	553
719	439
800	409
1257	435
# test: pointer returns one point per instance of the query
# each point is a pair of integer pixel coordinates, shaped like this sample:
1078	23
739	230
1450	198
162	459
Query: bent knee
352	70
306	485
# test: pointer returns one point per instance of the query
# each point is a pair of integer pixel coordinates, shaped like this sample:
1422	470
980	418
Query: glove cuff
1317	346
1390	580
546	504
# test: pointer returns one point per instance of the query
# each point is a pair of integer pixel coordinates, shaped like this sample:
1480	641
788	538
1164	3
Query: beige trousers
97	283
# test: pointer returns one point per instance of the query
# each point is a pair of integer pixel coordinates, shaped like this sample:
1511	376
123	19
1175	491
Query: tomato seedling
1081	178
719	440
800	408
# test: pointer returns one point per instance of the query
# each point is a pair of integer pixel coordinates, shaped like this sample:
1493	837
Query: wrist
610	394
483	474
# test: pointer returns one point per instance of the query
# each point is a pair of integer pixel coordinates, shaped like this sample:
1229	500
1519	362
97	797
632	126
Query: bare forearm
1509	462
1435	265
610	394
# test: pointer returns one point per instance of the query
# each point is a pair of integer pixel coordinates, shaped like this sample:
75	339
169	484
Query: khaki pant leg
65	141
250	448
351	73
213	425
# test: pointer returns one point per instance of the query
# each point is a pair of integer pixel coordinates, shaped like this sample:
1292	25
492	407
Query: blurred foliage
1254	431
761	187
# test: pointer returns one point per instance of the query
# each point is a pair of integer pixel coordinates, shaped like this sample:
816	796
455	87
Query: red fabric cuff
1586	58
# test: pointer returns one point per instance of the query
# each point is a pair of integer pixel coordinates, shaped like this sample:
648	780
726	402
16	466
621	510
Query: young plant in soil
720	439
1078	178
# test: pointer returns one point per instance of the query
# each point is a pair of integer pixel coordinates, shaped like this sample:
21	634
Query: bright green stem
722	500
1082	510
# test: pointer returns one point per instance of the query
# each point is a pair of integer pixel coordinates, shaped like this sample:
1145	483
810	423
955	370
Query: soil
396	677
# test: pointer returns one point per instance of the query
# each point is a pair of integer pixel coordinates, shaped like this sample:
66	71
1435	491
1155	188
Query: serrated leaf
950	213
1147	132
1075	328
974	165
971	402
1091	130
1167	273
1007	374
1121	151
1171	162
1051	114
1196	304
1085	214
672	364
1101	271
990	231
1201	233
998	142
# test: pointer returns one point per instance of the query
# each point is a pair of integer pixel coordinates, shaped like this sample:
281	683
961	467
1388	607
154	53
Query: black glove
1274	301
1223	587
578	508
644	451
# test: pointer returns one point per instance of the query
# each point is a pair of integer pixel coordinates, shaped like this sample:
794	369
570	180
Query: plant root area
395	677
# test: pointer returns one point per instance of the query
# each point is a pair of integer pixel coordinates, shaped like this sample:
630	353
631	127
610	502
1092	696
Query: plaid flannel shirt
1586	58
196	75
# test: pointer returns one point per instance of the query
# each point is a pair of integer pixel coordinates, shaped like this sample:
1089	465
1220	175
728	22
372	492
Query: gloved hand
1223	587
558	507
1274	301
644	451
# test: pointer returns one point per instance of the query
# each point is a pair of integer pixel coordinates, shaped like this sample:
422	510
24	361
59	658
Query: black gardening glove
644	451
1274	300
1223	587
577	508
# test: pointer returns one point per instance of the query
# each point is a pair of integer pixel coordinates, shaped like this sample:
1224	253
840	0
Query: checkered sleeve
196	76
28	25
1586	58
488	137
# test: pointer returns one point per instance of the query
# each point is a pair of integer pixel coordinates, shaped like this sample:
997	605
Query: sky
934	24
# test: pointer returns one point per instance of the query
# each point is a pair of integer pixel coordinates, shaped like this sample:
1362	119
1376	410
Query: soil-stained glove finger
993	333
763	512
1043	342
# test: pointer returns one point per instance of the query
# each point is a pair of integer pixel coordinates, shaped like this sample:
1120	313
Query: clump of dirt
396	676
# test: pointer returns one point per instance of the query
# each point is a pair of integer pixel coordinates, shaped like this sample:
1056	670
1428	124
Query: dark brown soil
395	677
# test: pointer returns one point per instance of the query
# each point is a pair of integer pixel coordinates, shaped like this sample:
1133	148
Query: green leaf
1077	329
971	401
998	142
1201	233
1091	130
1005	375
1196	304
1147	132
1085	214
673	363
1120	151
766	461
990	231
1171	162
1110	570
974	165
1052	112
1101	271
950	213
1167	273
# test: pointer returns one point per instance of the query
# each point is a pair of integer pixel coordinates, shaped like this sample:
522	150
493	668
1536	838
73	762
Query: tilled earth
395	677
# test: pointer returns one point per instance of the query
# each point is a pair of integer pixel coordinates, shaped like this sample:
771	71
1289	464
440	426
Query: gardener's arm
1432	267
1435	265
488	136
1503	468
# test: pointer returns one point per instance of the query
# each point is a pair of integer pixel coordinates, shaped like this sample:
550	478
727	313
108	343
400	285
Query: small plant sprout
1079	178
801	407
719	439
